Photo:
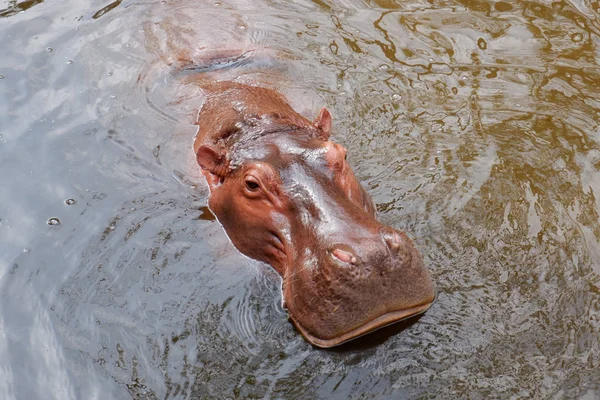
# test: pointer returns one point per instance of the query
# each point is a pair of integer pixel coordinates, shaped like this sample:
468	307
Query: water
475	125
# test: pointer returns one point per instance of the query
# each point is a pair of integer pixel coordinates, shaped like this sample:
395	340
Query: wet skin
286	195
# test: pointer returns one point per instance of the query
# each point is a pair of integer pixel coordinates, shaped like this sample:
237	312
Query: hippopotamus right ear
210	159
323	123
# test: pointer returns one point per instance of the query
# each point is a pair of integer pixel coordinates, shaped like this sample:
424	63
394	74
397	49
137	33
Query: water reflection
473	124
15	7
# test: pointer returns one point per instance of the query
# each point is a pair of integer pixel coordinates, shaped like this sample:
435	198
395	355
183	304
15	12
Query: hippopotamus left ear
323	122
211	159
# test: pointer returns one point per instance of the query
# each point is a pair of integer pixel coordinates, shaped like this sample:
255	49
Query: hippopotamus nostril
345	256
392	239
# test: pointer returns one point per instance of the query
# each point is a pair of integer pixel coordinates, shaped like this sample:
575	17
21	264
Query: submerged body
286	195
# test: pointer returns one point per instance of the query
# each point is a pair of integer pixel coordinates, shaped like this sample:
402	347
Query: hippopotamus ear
323	122
210	159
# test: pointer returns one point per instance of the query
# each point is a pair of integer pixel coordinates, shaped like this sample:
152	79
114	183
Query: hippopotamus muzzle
356	289
286	195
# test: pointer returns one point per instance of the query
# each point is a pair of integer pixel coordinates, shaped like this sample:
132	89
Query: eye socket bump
251	183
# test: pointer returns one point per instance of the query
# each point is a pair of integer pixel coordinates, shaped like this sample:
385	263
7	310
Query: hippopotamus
286	195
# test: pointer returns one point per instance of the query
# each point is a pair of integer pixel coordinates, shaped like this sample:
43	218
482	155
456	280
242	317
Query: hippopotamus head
286	195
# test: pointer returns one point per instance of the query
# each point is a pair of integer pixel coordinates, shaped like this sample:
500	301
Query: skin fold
286	195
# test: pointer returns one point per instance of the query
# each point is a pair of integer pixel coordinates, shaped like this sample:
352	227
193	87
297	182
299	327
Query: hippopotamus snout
360	286
359	255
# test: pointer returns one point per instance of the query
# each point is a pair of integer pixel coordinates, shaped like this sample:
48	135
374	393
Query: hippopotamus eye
251	183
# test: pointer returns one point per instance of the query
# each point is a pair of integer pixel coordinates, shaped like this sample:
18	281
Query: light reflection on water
473	124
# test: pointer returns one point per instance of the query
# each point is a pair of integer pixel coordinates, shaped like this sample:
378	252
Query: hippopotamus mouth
370	326
286	195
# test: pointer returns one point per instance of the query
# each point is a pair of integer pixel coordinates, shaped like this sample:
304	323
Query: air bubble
49	49
26	250
70	202
53	221
481	43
